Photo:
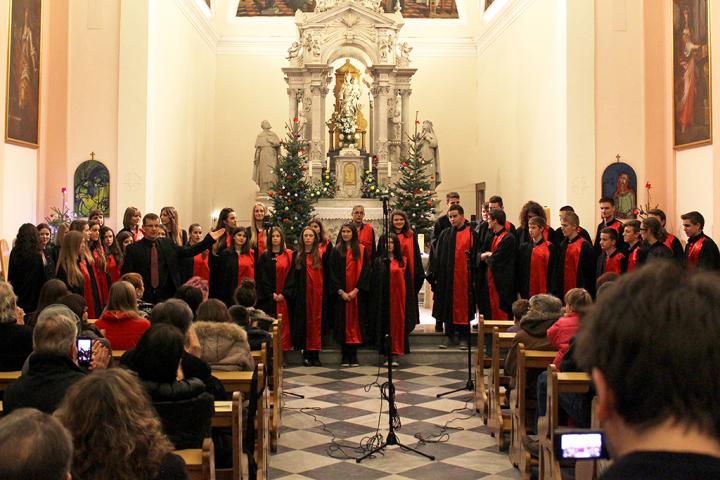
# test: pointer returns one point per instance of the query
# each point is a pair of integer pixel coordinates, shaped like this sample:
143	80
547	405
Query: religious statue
404	56
349	96
386	46
267	149
430	151
293	51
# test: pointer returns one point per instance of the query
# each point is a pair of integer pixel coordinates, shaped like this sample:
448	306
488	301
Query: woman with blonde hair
115	430
169	218
74	268
131	223
258	234
121	322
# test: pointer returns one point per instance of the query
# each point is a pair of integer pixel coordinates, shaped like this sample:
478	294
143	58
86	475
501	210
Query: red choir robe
402	320
200	266
90	290
632	256
410	249
536	264
271	275
616	262
616	225
304	291
702	252
113	268
576	266
366	235
101	277
498	286
235	267
672	242
347	273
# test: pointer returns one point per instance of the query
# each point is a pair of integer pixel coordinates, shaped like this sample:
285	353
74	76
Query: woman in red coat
121	322
567	326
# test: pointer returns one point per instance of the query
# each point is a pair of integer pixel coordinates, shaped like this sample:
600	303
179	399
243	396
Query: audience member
121	322
52	291
520	308
26	269
223	344
561	332
135	279
193	296
15	337
77	304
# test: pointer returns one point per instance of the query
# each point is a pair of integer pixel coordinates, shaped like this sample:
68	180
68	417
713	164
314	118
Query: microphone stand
391	438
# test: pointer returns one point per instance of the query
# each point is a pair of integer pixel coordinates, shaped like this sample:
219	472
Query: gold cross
92	155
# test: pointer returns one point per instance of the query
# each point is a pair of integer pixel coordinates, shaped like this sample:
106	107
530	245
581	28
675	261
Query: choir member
76	270
227	219
198	267
304	291
366	234
99	262
400	226
258	232
452	198
349	275
324	243
611	259
631	235
482	227
113	255
559	237
124	240
536	261
530	210
272	272
671	241
170	220
607	213
26	270
97	215
576	258
131	223
700	250
236	263
496	203
402	320
498	272
653	245
48	249
450	276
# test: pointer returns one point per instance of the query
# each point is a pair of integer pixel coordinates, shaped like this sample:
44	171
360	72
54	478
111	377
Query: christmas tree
413	192
326	187
292	204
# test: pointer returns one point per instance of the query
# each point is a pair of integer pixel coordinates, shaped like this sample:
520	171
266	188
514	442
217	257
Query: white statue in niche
293	52
430	151
267	149
404	56
349	96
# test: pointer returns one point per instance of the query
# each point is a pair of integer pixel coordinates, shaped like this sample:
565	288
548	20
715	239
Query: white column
292	97
405	96
317	134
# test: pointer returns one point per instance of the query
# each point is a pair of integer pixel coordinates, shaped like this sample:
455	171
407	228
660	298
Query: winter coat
122	329
224	346
560	334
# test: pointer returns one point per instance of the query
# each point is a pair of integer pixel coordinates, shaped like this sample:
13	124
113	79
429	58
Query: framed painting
692	87
91	188
23	77
619	182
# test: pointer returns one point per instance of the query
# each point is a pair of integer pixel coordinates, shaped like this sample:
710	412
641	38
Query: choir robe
346	273
576	266
440	224
411	250
559	237
536	264
701	252
137	236
200	266
618	226
632	256
402	319
113	268
445	260
647	253
497	283
306	297
261	246
675	246
101	277
523	236
88	289
234	267
215	283
271	275
617	262
366	235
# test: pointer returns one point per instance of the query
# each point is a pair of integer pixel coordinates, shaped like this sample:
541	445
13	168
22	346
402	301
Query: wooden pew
199	462
230	414
6	378
277	387
499	422
485	328
570	382
522	411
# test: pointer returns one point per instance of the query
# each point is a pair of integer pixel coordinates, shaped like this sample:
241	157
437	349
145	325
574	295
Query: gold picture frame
22	100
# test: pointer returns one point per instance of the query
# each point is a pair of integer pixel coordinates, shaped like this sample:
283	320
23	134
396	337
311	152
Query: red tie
154	276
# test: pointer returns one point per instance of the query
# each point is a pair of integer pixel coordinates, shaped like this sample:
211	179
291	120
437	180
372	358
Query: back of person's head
239	315
246	294
520	308
654	354
202	285
76	303
116	431
578	299
190	295
8	303
605	278
34	445
134	279
174	312
51	291
55	331
498	215
655	227
543	303
158	353
213	310
122	297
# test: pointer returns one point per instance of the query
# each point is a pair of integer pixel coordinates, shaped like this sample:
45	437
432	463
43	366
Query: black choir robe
440	224
378	323
441	273
702	252
96	307
559	237
215	266
336	277
484	233
580	269
524	265
523	236
502	265
228	272
616	225
27	275
647	253
296	295
418	273
617	259
675	246
266	281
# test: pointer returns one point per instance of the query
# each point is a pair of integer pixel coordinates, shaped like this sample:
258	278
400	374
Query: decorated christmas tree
413	192
292	204
326	187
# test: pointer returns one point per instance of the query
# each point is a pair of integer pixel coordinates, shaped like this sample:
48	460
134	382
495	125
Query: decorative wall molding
199	17
500	22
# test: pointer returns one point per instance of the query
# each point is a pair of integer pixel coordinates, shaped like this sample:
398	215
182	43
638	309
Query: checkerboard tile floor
337	403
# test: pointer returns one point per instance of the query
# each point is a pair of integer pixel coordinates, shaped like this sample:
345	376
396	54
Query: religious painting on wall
92	188
23	86
619	182
287	8
692	116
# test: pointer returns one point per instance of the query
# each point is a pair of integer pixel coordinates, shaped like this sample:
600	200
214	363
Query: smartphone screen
580	445
84	355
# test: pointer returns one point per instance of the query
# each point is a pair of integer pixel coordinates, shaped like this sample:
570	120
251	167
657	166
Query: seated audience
50	293
193	296
561	332
121	322
26	268
200	283
256	336
34	445
246	295
135	279
53	365
182	403
15	338
654	361
520	308
223	344
128	442
77	304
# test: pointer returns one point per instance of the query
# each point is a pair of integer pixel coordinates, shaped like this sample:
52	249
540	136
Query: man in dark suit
156	259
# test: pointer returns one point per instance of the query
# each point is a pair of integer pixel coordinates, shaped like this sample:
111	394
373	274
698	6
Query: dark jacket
44	385
15	346
185	409
27	276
